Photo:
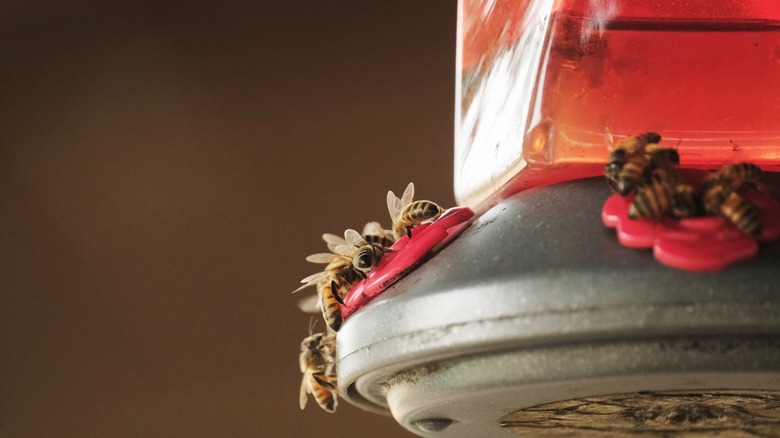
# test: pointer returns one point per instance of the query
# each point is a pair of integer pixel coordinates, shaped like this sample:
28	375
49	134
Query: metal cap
537	321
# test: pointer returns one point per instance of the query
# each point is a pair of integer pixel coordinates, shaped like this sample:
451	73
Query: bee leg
336	295
409	232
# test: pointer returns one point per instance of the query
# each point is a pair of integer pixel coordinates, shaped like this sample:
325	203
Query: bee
374	233
637	143
333	283
318	365
625	172
365	256
630	174
407	214
665	194
625	149
331	289
718	196
632	160
342	271
718	199
736	175
651	200
683	203
667	158
639	168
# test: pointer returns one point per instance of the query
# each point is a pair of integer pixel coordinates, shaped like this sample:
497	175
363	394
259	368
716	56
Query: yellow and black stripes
743	214
718	199
718	196
323	390
416	212
633	160
331	305
651	201
631	174
332	292
666	194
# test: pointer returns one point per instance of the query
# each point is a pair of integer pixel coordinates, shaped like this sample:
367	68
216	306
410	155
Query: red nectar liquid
546	87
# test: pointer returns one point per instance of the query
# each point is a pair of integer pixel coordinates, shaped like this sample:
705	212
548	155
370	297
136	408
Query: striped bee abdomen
742	213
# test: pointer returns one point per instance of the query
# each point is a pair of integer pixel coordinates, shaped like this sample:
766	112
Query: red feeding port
406	254
697	244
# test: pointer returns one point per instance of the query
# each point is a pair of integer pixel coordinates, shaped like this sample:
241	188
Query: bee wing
346	250
393	205
323	257
408	194
354	238
310	304
311	283
312	280
315	277
303	396
373	229
333	240
339	261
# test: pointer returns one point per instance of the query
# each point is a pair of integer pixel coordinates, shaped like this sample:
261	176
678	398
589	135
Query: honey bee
318	365
374	233
342	271
332	283
683	203
365	256
623	151
638	143
630	174
718	199
718	196
665	194
736	175
331	289
633	160
407	214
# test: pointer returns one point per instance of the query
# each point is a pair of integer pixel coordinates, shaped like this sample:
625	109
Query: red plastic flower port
406	254
697	244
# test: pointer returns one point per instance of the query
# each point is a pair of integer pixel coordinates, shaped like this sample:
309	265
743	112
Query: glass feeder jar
546	86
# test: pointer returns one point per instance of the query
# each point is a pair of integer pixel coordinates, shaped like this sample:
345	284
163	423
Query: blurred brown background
165	167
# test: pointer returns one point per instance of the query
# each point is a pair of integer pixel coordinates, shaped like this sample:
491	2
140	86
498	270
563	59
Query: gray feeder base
537	322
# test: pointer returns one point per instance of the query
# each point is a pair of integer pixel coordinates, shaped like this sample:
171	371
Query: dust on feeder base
696	413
